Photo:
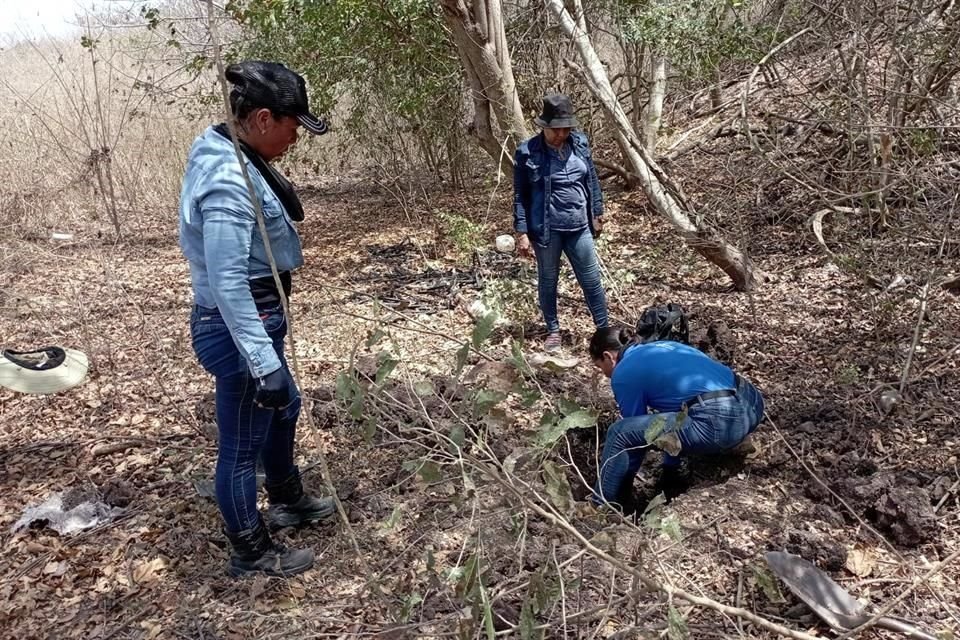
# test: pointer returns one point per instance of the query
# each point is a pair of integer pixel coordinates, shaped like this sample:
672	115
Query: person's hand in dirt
523	246
273	390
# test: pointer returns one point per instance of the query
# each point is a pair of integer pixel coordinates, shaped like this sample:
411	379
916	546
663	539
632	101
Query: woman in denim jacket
558	209
238	324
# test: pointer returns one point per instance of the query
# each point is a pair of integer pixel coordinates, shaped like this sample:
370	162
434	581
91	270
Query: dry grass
93	132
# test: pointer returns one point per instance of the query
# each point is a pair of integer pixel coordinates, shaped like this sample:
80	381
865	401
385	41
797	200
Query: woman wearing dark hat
558	209
238	325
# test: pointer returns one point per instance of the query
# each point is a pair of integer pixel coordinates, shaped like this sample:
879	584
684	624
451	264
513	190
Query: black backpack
663	322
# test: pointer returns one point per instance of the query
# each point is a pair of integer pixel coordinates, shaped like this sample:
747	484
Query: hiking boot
552	343
747	447
673	481
291	507
255	553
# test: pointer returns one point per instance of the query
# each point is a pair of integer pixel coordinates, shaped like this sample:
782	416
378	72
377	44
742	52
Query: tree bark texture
653	114
666	196
481	41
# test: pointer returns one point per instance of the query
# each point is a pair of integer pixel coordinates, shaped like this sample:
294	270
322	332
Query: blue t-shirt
568	190
663	375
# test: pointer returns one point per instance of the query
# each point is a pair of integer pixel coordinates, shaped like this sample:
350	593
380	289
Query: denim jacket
221	240
531	173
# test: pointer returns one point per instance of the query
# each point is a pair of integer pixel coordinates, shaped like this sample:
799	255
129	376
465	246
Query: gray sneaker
552	343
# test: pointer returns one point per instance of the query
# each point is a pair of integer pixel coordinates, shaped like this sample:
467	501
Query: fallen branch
680	150
618	170
946	496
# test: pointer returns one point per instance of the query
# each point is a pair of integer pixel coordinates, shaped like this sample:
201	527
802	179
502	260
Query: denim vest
531	175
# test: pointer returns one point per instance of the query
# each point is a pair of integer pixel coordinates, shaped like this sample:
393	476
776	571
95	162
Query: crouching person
238	323
701	407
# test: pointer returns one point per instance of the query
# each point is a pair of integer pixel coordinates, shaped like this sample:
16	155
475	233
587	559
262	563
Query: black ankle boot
254	552
291	507
674	481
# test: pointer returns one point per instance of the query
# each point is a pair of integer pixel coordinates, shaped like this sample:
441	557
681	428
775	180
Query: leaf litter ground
818	342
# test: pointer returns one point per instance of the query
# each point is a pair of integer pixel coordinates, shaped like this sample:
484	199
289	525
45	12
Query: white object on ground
506	243
85	515
66	237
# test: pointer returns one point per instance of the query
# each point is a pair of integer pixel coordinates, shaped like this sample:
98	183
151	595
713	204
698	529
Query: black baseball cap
271	85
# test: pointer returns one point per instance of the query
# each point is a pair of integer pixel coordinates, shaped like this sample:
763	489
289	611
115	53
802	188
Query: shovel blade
817	590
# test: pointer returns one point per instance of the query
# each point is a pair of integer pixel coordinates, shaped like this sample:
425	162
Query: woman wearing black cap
238	325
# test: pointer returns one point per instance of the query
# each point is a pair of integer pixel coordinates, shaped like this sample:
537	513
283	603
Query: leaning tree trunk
665	195
481	41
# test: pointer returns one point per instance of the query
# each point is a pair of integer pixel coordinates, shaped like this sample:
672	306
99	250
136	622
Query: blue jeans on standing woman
579	248
247	432
709	427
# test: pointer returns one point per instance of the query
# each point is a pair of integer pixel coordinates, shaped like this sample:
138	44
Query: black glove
273	390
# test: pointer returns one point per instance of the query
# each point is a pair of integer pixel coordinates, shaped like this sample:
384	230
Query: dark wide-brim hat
557	113
271	85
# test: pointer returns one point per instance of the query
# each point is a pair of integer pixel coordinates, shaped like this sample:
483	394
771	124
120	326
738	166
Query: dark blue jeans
247	432
580	251
710	427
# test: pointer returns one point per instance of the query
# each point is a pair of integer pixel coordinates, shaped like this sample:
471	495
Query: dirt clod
817	548
825	514
906	514
716	340
117	492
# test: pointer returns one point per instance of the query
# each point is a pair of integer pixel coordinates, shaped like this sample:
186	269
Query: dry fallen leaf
297	591
35	547
861	562
548	361
152	627
146	572
56	568
890	400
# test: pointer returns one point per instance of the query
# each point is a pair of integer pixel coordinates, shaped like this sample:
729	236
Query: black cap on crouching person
271	85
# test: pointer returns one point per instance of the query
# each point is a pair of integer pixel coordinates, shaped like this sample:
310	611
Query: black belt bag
710	395
265	292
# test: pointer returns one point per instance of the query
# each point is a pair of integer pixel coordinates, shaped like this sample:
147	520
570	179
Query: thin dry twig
916	337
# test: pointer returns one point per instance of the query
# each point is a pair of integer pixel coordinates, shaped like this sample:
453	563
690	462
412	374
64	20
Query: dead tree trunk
666	196
498	122
653	114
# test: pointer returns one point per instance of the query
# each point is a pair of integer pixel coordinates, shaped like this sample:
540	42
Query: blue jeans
247	432
582	254
710	427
